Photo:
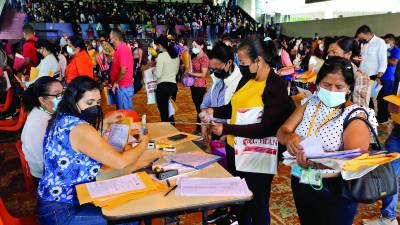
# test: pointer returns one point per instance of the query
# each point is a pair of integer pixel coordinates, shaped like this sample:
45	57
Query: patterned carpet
283	211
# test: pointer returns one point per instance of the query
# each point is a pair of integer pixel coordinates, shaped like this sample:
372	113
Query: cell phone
177	137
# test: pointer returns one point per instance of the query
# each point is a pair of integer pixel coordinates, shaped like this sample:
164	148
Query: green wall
380	25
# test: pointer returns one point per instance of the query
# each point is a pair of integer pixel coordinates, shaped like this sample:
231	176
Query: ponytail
50	47
265	49
348	44
40	88
167	45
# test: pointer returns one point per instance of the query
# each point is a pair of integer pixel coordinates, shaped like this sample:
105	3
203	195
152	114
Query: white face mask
331	98
70	51
388	46
321	47
195	51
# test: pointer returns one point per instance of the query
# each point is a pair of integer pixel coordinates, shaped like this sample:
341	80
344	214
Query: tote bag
255	155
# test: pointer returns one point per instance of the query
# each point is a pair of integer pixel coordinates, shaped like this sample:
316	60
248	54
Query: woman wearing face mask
349	48
261	90
81	63
287	65
49	65
166	69
225	75
322	116
74	151
40	100
200	64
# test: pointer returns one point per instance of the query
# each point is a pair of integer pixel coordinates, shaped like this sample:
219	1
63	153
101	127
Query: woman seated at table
74	151
40	100
322	116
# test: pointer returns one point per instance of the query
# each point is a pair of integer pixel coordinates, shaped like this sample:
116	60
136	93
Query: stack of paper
113	192
232	186
197	160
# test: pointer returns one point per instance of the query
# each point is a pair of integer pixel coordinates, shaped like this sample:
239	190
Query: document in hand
231	186
119	135
312	147
197	160
112	192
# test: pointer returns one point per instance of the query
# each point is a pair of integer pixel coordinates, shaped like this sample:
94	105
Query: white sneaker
380	221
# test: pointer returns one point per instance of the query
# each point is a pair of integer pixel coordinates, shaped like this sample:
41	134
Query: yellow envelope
393	99
84	195
33	74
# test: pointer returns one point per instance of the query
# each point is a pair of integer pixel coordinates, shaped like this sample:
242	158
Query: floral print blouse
63	166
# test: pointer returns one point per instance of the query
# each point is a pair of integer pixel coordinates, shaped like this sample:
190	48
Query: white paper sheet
118	185
118	136
232	186
312	147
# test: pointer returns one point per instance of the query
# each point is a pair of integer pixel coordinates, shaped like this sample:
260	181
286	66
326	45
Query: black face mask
245	70
220	73
91	114
364	42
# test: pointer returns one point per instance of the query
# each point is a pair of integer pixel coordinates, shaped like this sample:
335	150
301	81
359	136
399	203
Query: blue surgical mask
56	101
331	98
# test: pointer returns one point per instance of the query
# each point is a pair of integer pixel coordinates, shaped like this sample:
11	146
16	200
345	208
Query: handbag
375	185
187	80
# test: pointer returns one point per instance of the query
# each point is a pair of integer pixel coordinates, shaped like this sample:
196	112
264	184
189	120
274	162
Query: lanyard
323	122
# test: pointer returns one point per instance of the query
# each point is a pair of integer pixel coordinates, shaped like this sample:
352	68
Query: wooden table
156	205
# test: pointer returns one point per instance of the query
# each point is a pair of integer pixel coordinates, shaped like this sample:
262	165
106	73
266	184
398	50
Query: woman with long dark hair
166	70
74	151
259	106
348	48
81	63
40	101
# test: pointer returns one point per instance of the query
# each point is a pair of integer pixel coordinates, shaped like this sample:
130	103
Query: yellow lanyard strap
323	122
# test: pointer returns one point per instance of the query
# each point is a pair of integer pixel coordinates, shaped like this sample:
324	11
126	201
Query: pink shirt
286	62
122	58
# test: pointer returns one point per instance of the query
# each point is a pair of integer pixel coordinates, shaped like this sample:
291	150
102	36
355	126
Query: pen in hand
170	190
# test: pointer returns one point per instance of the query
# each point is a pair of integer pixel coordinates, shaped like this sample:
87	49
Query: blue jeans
389	203
58	213
123	97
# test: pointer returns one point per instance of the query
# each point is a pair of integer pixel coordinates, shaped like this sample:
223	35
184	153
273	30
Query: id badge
296	171
311	177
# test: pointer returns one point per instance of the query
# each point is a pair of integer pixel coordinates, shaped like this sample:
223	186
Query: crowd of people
63	132
197	18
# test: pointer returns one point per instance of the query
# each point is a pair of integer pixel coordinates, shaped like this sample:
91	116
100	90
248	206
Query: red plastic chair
30	187
7	219
16	126
128	113
6	105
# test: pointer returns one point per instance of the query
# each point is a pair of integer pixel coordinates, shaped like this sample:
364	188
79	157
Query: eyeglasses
59	95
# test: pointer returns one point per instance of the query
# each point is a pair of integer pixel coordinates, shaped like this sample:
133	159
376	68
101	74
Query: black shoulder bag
375	185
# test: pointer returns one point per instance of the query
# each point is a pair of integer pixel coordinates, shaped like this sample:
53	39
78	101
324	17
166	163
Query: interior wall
380	25
249	6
